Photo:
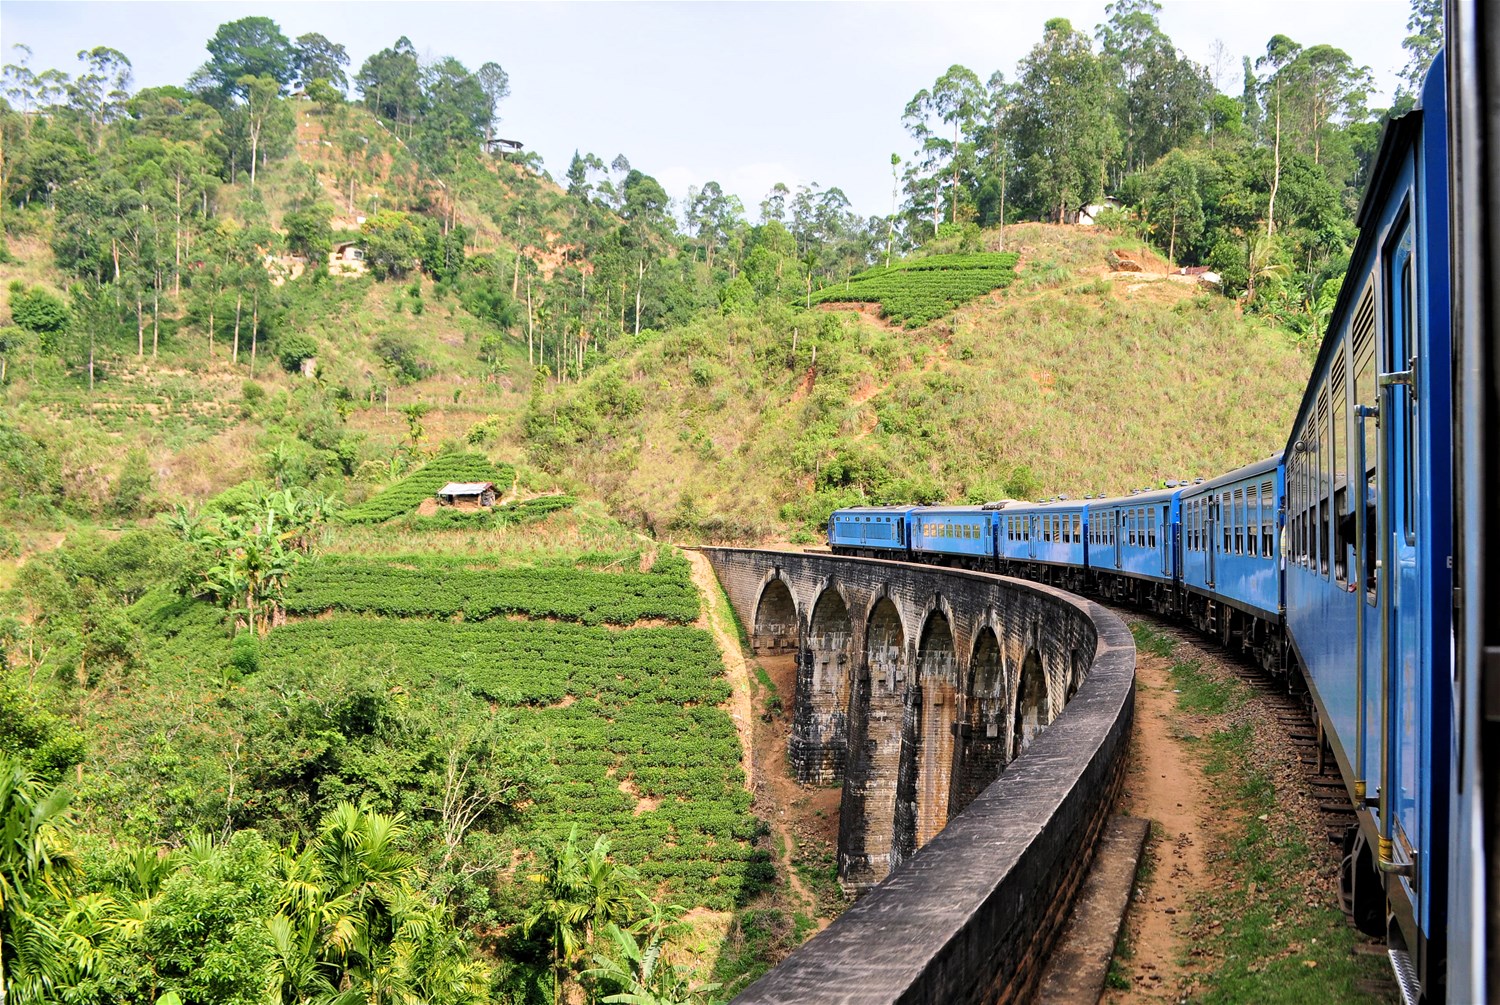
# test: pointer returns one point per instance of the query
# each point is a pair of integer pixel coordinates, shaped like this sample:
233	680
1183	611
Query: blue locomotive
1335	559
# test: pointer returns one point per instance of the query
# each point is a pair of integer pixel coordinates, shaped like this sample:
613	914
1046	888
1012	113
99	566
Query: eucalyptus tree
954	104
390	82
249	47
1064	133
1159	95
1423	44
99	92
495	83
1280	75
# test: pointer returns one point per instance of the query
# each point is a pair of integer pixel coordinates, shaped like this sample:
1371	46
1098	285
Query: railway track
1288	701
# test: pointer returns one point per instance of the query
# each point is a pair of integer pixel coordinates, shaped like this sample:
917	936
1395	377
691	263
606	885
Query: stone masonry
919	689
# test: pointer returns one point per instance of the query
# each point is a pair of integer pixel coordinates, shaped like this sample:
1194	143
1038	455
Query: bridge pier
913	689
942	678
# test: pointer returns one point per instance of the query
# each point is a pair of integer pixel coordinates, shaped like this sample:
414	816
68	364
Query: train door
1116	532
1163	536
1211	527
1400	598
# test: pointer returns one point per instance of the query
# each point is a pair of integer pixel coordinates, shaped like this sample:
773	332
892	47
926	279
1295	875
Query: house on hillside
468	495
501	147
347	258
1088	216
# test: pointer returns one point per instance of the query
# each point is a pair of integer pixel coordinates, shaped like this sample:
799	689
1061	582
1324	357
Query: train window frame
1268	509
1242	495
1252	520
1363	352
1408	304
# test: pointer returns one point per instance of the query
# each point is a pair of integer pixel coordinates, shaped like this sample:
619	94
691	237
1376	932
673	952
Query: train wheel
1360	887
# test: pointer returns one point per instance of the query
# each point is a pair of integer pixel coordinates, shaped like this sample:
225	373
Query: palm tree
640	974
35	863
582	892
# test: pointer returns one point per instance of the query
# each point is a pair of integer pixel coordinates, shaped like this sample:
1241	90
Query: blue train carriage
870	531
1368	552
1013	534
1132	551
1056	543
1231	559
954	535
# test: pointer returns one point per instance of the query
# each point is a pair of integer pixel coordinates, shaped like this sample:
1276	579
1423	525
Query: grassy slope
1071	375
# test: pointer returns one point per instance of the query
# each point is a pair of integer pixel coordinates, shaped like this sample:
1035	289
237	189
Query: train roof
971	509
1052	505
1238	474
1154	496
874	509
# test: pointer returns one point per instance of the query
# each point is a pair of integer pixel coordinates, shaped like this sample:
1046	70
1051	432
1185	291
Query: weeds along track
1288	699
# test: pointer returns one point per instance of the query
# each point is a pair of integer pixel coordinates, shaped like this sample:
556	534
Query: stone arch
885	633
877	710
818	746
1077	670
927	769
775	619
1033	708
983	750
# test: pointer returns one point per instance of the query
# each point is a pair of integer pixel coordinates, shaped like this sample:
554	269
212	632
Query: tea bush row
412	587
409	493
635	708
916	293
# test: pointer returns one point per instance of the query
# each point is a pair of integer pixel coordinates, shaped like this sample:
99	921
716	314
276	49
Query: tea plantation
919	292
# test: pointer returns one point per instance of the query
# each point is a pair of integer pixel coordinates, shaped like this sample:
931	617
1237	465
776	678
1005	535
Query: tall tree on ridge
314	57
956	100
1064	133
249	47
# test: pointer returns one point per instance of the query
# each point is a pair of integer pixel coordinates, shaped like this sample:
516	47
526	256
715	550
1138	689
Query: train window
1252	520
1322	495
1362	332
1239	521
1151	528
1268	518
1226	517
1409	500
1338	433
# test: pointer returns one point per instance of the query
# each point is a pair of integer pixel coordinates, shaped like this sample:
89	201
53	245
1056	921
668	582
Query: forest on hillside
272	730
149	198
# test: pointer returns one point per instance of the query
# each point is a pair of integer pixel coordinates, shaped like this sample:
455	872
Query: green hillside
323	736
1074	380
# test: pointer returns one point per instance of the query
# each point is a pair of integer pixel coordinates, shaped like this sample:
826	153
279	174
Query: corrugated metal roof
465	488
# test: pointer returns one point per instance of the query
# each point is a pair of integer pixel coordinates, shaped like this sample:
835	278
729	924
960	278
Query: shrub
295	348
244	653
39	312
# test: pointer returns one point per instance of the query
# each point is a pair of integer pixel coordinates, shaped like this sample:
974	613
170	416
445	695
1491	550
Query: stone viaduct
918	689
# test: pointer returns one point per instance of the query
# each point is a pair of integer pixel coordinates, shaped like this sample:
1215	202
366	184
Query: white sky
746	94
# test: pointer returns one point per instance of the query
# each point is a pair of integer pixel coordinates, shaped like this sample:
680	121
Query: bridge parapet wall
933	710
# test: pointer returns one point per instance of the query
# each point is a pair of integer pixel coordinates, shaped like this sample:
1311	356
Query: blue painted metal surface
1230	548
953	532
882	528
